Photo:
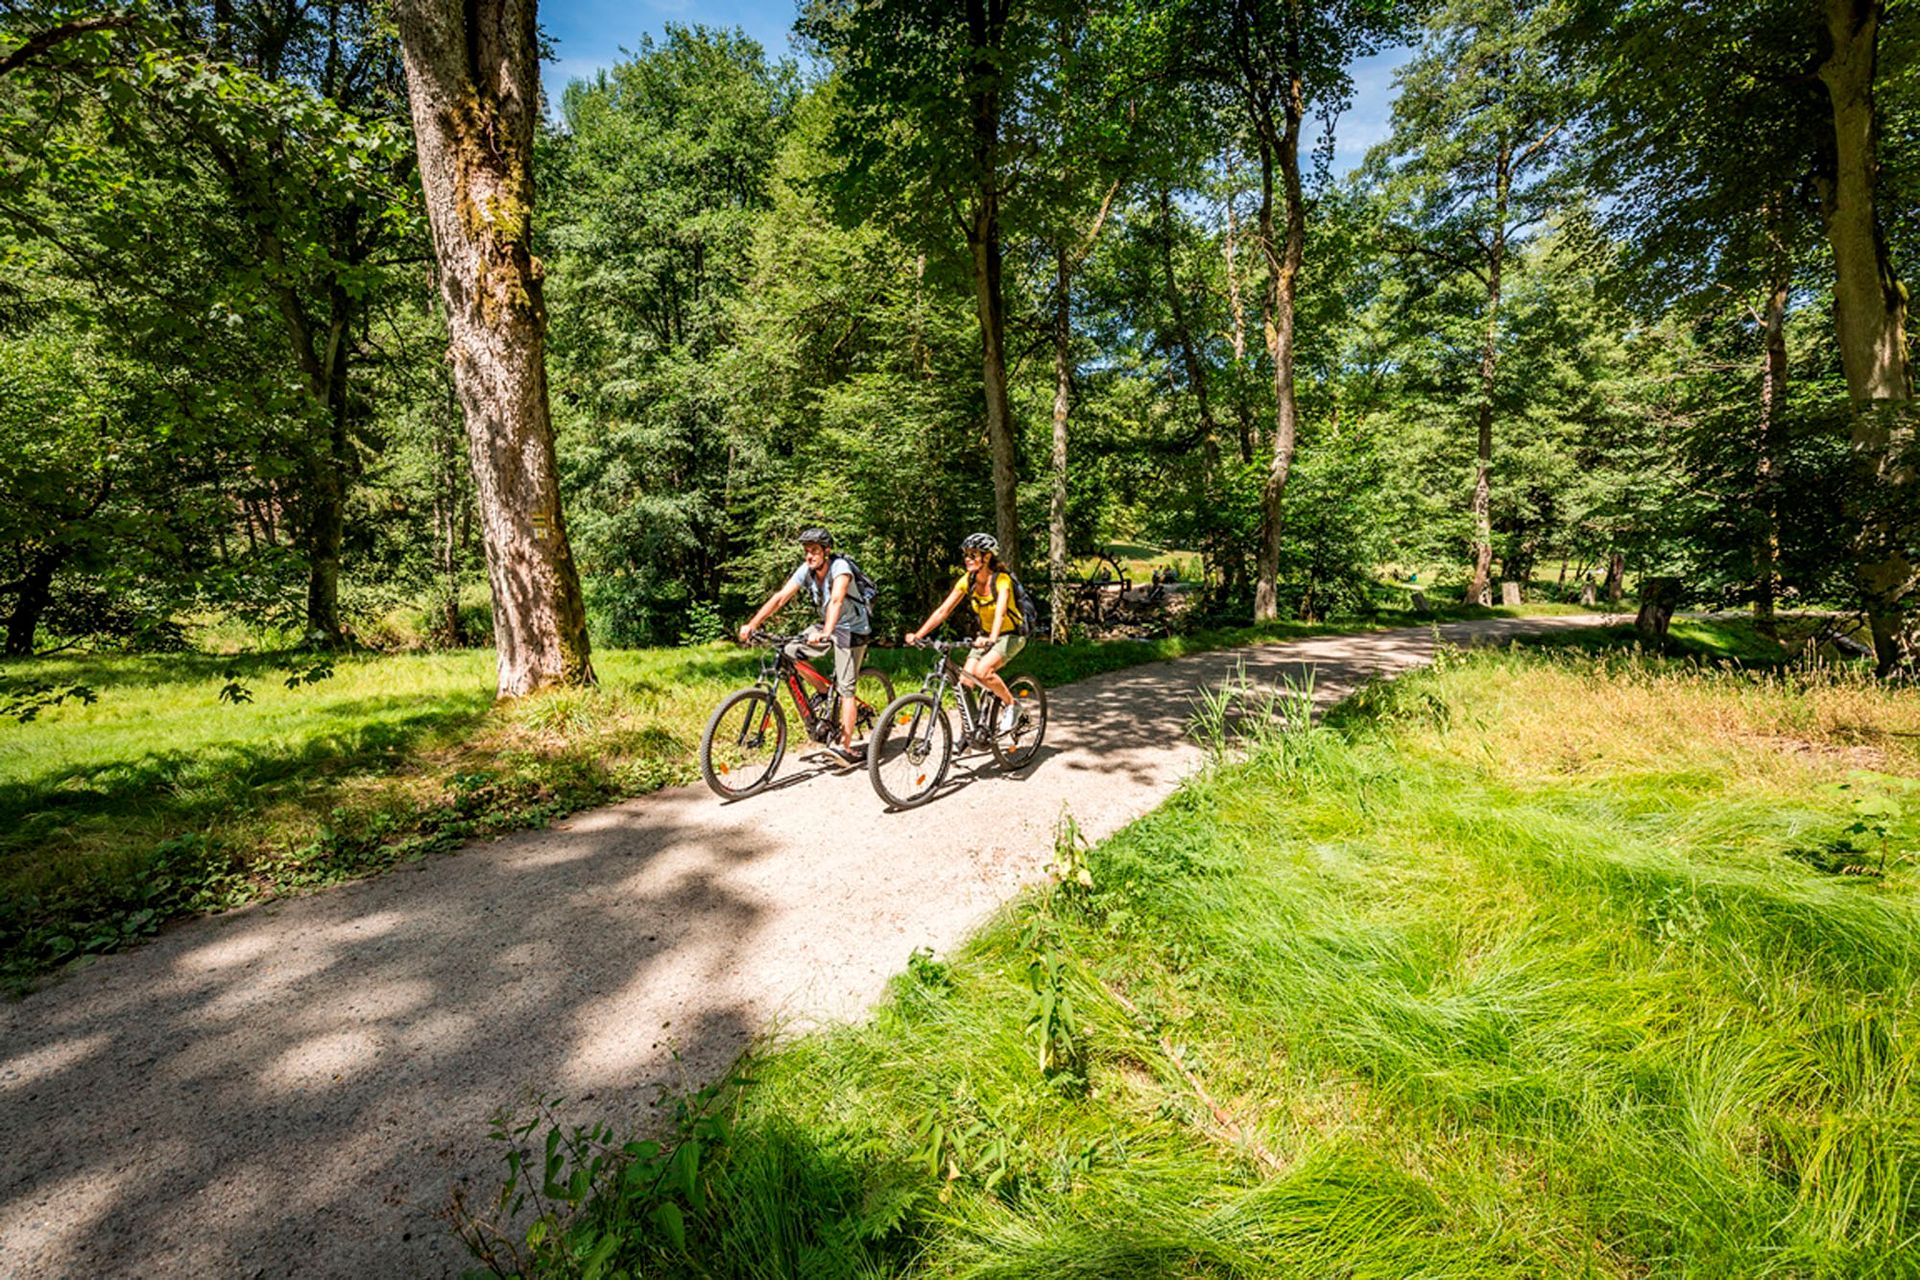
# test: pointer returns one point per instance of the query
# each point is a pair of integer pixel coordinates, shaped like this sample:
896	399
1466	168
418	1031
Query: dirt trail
297	1088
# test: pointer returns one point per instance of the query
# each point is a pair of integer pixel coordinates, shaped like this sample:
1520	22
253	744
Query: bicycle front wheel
911	749
1016	746
743	742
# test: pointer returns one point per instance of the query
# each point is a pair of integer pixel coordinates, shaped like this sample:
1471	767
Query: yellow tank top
983	605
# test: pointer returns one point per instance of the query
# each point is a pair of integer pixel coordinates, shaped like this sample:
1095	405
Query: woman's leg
984	666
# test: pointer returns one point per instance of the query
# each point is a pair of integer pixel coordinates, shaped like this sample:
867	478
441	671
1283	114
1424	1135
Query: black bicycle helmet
818	535
981	542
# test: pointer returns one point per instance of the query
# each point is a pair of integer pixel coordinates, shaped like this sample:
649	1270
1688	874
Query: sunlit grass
1520	968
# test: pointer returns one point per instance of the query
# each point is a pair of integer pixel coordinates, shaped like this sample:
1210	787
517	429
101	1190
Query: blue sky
589	34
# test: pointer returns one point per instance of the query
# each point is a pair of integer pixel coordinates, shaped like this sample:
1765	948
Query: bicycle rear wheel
911	749
1015	748
874	691
742	744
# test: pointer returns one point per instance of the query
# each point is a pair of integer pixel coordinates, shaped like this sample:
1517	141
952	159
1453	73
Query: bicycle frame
795	674
948	674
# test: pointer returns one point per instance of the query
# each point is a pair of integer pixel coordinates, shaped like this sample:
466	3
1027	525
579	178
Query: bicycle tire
1016	749
744	766
912	747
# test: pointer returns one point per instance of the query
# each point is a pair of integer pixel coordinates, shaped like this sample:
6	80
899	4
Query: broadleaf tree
473	83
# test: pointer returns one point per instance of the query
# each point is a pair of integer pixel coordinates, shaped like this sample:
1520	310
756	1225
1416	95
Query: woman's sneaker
1010	717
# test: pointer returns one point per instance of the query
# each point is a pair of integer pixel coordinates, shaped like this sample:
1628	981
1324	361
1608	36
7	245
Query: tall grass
1520	967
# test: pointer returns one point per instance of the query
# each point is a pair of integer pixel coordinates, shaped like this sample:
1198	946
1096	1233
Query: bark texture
1479	587
1766	506
1279	142
1870	315
1062	403
986	32
472	78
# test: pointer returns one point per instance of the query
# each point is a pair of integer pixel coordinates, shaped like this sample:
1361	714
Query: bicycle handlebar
942	645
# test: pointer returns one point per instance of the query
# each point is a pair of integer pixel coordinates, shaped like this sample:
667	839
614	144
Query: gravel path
296	1088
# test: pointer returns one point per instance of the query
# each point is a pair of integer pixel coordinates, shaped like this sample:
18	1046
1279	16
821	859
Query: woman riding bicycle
989	589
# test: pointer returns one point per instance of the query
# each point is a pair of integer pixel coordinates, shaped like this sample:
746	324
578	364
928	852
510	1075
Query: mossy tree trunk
473	82
1870	314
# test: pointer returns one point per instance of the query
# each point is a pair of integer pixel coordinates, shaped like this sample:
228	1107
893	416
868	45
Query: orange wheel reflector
922	778
723	768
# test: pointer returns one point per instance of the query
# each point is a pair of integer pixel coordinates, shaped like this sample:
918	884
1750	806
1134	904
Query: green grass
161	799
1539	964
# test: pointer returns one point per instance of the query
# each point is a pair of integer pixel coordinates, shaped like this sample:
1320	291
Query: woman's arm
939	614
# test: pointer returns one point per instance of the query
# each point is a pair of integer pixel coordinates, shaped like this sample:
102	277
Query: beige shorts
1005	648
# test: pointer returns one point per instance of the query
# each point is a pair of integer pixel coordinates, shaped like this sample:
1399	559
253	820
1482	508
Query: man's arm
775	603
834	601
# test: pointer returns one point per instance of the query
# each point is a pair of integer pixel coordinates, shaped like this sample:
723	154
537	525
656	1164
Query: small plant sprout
1875	815
1069	869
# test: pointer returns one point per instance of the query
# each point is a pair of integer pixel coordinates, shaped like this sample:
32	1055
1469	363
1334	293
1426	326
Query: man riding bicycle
989	589
844	623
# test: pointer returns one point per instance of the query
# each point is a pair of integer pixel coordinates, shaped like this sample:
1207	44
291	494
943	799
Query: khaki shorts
846	659
1005	648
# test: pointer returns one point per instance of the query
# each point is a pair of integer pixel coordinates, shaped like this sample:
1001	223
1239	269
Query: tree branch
45	40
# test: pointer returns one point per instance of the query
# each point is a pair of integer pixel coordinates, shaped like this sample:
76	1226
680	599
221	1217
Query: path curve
296	1088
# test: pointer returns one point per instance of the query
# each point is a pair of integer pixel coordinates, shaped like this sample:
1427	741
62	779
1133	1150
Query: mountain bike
746	736
913	744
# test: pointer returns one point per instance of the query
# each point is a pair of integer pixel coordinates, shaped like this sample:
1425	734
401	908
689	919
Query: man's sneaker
1010	717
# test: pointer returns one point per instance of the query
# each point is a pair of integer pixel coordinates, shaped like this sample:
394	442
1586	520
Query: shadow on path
298	1087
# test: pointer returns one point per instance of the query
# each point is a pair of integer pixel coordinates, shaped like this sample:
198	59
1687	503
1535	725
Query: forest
392	448
1617	305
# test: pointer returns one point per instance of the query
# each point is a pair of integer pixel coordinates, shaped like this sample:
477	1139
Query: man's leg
846	679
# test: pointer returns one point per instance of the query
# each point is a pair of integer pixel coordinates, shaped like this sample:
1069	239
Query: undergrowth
1536	963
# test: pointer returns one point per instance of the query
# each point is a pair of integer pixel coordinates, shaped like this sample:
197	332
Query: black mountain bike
746	736
913	744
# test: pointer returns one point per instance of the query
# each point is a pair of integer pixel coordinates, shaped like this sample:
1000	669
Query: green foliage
22	701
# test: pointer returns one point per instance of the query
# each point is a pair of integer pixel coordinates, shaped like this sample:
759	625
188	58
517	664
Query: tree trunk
1062	390
1616	577
35	594
1658	599
449	504
1190	356
1283	275
1870	314
473	82
1773	397
1479	589
325	457
986	28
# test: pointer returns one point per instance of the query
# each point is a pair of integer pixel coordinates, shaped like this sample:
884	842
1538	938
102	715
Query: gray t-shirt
853	610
